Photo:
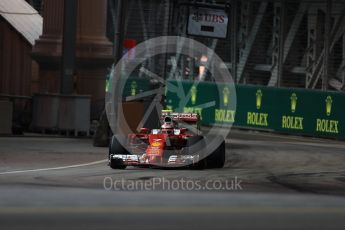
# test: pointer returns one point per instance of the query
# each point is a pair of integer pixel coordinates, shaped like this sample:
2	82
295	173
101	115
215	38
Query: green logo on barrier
293	99
329	102
194	94
226	93
259	98
134	87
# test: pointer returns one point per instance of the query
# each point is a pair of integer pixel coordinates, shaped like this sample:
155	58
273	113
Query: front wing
143	160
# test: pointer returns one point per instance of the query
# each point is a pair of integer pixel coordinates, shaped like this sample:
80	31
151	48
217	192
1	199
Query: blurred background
44	61
287	58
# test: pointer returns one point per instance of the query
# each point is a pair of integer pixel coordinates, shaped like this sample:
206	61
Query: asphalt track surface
269	182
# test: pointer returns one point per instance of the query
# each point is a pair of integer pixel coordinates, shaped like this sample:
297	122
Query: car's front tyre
116	147
117	164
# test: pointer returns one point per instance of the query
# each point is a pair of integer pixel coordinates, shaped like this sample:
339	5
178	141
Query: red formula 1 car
177	143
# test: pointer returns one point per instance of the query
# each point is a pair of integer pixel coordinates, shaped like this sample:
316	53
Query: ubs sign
207	22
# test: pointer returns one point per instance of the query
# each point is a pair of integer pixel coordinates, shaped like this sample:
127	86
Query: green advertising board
134	86
214	103
295	111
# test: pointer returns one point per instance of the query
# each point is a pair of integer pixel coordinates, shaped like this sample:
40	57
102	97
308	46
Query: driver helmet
168	123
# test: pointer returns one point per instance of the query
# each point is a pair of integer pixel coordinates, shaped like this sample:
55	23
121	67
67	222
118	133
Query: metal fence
284	43
278	43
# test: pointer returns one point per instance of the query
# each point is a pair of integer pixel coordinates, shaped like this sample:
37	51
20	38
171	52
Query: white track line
56	168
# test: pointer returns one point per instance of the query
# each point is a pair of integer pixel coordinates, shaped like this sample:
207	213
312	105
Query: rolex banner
297	111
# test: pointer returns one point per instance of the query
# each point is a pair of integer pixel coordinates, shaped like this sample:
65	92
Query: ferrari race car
177	143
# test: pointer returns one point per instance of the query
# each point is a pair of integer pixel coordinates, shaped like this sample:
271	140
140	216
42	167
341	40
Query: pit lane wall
294	111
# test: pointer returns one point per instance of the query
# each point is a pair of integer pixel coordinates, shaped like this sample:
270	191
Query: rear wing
186	117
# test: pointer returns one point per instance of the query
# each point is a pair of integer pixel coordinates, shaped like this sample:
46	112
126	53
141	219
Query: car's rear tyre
217	158
115	147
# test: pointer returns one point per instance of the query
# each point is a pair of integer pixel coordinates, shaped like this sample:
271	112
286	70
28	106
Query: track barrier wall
293	111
